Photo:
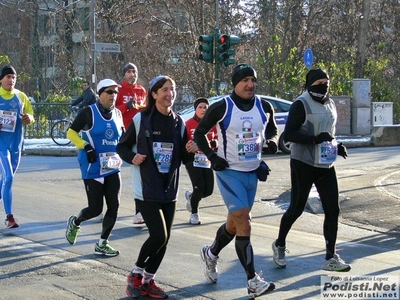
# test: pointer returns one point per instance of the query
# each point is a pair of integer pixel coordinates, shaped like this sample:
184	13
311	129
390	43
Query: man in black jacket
87	98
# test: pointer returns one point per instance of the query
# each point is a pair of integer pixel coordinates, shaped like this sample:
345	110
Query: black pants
96	192
303	176
202	182
159	218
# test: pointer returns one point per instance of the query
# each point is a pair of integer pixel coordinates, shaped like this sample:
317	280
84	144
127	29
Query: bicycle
59	130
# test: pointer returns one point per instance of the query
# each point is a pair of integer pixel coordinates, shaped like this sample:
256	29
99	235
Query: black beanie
242	71
127	67
200	100
314	75
6	70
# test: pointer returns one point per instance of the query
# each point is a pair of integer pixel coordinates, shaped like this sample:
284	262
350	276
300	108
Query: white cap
105	83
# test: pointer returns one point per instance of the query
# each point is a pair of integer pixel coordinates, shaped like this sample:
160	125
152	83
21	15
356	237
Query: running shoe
133	289
188	196
258	286
152	290
72	230
105	249
195	219
210	268
279	255
11	222
336	264
138	219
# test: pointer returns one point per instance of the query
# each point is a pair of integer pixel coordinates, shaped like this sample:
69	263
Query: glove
218	163
323	137
272	148
91	153
130	104
342	151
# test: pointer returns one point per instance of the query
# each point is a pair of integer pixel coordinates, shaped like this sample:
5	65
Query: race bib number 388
248	146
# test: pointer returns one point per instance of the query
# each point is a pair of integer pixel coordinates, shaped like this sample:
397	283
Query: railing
47	114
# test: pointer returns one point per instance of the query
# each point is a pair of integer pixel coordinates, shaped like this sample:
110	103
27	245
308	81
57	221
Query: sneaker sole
212	280
269	289
13	226
338	270
106	254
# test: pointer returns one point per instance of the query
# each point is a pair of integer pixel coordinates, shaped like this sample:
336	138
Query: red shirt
126	93
191	126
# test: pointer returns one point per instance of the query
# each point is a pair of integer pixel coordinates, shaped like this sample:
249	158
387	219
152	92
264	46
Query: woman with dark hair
155	144
199	167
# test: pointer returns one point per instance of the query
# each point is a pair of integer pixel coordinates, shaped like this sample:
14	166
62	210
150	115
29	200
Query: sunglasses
110	92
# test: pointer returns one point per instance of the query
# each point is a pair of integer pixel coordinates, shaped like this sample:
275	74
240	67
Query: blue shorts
238	189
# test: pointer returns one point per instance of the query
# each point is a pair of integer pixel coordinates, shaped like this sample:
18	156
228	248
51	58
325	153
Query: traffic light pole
217	64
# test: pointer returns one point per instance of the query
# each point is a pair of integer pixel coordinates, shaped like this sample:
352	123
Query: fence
47	114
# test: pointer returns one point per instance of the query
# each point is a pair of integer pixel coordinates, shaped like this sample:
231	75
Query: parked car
281	108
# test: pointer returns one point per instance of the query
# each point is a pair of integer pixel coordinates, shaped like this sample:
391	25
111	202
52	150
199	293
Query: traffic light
206	48
224	52
222	47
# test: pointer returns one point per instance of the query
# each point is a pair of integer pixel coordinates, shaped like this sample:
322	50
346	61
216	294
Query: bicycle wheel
59	133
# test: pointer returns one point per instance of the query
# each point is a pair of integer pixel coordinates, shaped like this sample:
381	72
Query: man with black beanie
311	128
15	111
131	98
243	122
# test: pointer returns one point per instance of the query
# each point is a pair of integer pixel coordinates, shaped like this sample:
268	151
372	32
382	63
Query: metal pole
93	42
216	36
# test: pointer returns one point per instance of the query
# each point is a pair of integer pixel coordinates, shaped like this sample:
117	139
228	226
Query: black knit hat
6	70
200	100
314	75
242	71
128	66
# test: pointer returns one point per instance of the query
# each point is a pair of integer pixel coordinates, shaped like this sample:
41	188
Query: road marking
379	187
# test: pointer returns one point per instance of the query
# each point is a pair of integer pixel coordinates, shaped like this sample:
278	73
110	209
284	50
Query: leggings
303	176
202	182
9	162
159	218
96	191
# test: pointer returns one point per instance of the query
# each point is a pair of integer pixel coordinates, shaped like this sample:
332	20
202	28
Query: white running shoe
258	286
195	219
138	219
279	255
336	264
188	195
210	268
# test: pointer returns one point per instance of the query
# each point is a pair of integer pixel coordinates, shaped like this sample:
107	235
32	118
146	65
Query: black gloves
91	153
272	148
342	151
323	137
218	163
130	104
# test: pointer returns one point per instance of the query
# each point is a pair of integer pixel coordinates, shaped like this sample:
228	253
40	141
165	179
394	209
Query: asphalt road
37	263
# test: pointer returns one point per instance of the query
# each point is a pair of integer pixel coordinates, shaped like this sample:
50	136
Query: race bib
8	119
201	160
163	156
109	161
327	152
248	146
